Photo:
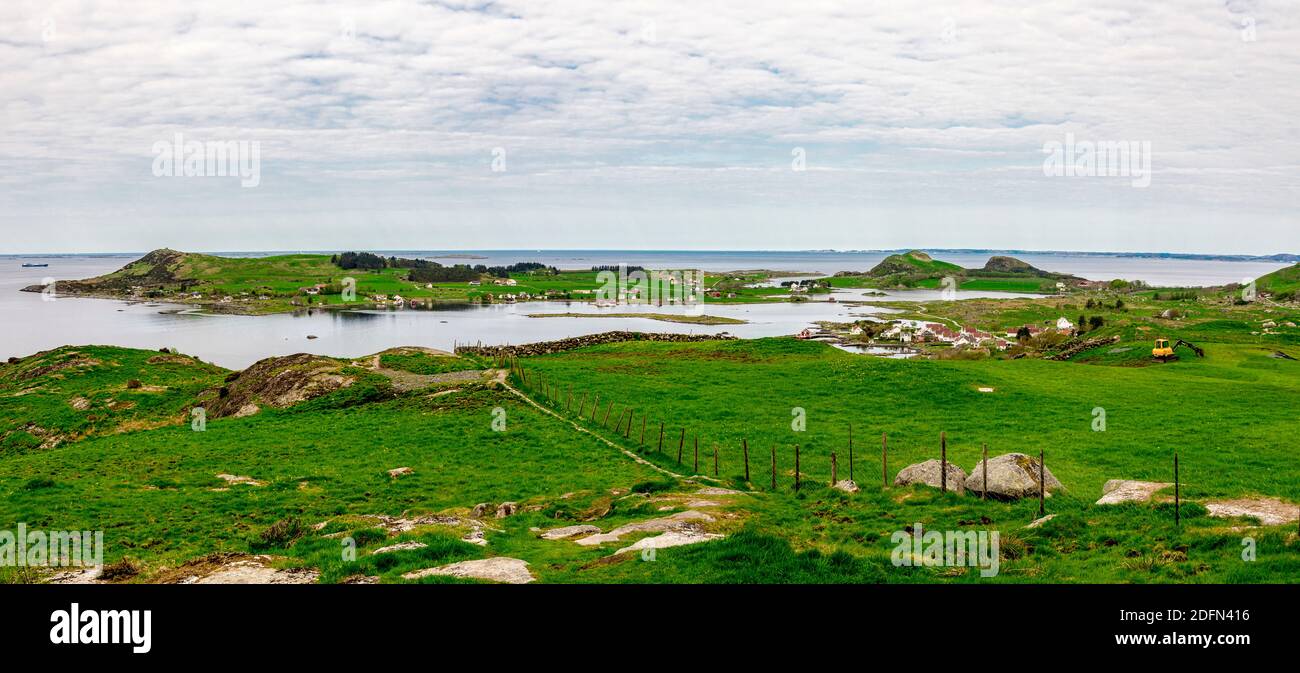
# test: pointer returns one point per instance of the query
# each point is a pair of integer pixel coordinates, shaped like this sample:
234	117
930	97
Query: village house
1064	325
1034	330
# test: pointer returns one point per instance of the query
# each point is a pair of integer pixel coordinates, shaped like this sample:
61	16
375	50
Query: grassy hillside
68	393
913	262
1283	282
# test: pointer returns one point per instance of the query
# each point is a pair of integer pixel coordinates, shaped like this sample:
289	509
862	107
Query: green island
572	466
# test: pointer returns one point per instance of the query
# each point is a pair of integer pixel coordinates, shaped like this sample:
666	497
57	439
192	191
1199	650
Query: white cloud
678	115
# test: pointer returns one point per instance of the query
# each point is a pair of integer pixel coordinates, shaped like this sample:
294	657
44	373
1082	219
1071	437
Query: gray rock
1011	476
927	473
1116	491
480	510
506	509
847	486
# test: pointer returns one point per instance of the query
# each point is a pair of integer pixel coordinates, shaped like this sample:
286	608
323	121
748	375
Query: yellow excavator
1164	352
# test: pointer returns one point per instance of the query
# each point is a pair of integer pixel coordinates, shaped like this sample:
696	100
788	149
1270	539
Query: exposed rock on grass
679	521
400	472
400	546
1116	491
672	538
498	569
233	479
715	490
1269	511
928	474
847	486
1011	476
238	569
569	531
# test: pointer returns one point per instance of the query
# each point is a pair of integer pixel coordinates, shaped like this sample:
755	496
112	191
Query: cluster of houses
920	332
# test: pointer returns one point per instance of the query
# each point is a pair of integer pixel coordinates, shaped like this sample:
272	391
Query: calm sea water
32	324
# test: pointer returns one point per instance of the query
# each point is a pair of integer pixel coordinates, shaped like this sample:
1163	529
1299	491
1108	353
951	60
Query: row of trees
427	271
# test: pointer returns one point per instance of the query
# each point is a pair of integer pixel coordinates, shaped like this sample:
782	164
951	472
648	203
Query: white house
1063	325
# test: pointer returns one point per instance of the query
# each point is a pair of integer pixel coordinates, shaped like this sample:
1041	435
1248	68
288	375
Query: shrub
282	533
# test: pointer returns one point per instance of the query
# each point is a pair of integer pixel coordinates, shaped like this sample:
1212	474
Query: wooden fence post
796	468
715	459
745	443
661	438
642	442
595	402
680	441
696	439
582	403
627	432
604	422
835	470
943	462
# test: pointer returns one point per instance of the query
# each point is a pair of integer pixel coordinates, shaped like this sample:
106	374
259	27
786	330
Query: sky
575	124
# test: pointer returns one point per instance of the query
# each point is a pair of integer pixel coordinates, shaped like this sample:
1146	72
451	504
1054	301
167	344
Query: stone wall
544	347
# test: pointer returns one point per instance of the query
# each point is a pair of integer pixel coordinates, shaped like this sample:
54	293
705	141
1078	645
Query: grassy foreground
318	470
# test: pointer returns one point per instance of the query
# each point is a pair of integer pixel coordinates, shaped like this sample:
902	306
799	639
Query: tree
1096	321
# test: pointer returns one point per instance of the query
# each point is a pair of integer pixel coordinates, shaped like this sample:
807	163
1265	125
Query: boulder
506	509
399	472
847	486
480	510
1011	476
1116	491
927	473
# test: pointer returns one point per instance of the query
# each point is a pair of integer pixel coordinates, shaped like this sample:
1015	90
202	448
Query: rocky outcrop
1011	476
280	382
545	347
162	268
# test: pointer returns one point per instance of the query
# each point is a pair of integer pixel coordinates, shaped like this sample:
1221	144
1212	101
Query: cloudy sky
649	125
